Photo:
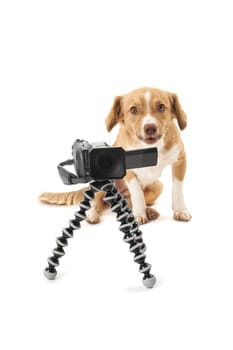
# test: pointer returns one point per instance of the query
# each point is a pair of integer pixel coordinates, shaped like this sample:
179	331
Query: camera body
98	161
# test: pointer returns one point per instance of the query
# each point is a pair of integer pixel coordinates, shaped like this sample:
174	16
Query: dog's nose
150	129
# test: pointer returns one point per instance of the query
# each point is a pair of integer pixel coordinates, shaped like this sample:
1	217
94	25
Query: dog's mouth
150	140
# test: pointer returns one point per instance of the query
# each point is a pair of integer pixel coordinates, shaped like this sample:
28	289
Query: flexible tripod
129	226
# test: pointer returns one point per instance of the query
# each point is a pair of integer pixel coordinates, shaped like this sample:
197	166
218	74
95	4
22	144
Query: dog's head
146	113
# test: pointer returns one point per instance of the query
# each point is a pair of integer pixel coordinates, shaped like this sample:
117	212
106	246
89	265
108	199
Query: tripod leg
50	272
129	226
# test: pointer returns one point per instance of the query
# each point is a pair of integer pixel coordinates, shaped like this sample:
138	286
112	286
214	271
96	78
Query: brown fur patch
178	111
179	167
115	115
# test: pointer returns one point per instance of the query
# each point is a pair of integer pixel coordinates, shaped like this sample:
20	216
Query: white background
61	64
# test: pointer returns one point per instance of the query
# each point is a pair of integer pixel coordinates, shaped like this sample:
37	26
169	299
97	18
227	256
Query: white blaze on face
147	98
148	119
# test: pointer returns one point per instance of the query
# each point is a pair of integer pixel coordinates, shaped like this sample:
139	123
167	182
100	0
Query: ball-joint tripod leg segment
129	226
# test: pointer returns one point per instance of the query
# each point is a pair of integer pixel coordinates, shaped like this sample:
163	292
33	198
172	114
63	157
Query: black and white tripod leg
50	272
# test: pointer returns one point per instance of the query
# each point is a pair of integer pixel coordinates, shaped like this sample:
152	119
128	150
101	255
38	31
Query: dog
147	117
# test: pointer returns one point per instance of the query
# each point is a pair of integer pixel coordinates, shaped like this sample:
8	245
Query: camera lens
105	162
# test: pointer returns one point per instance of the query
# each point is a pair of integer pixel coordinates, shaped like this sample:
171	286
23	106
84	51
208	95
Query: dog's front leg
137	198
178	204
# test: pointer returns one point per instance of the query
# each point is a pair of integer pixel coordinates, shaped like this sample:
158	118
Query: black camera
98	161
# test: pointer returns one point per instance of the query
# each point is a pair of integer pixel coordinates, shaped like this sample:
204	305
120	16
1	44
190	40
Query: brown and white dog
147	118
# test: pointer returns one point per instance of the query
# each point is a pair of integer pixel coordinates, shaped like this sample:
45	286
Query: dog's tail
63	198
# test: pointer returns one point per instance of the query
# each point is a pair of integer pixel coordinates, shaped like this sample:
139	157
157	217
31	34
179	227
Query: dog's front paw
182	215
141	219
150	214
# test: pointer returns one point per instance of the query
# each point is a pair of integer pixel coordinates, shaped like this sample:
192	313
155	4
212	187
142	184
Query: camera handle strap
67	177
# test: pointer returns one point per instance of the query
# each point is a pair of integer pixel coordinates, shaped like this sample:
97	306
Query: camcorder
99	161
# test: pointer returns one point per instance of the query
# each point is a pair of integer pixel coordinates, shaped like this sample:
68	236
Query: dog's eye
133	110
161	108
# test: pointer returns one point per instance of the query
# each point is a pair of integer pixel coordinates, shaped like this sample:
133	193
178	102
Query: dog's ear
115	114
178	112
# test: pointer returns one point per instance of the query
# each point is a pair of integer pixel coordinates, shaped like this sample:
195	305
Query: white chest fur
149	175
